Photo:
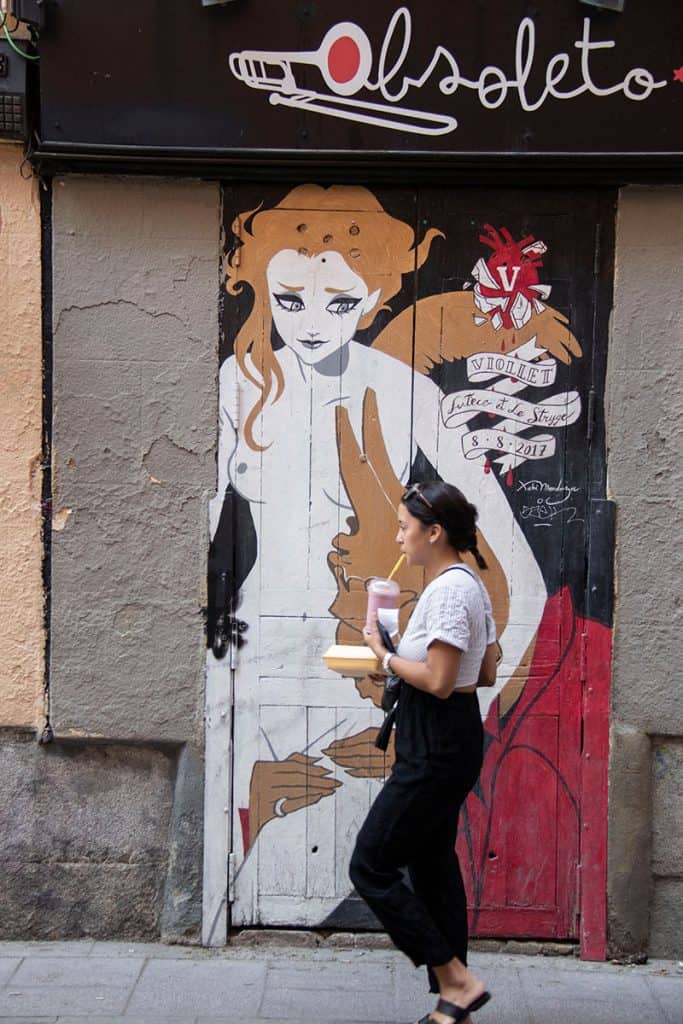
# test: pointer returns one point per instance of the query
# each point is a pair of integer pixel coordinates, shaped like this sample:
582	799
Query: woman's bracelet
385	662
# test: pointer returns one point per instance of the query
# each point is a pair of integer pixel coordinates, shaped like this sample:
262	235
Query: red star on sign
678	74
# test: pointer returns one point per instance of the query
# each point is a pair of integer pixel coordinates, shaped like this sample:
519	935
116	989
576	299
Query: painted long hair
347	219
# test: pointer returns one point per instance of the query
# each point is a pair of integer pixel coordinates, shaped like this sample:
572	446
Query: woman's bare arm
436	675
489	665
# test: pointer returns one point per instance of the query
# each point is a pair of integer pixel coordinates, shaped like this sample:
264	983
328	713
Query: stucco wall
21	593
645	434
136	287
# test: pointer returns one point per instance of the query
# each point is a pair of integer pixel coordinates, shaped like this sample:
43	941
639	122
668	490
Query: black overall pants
413	824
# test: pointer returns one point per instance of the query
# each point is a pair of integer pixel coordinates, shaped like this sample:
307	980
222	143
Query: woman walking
448	649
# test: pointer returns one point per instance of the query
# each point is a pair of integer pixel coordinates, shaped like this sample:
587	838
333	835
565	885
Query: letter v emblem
507	284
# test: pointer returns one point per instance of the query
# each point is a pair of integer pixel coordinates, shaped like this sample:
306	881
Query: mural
351	368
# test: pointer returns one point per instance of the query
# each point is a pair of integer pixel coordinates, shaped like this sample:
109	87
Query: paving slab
54	972
227	1019
547	1011
8	965
157	950
184	987
330	1005
32	1020
85	1000
330	975
149	1018
586	986
79	947
668	993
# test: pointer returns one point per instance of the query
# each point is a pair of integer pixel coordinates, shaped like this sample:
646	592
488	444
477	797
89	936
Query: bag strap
463	568
382	738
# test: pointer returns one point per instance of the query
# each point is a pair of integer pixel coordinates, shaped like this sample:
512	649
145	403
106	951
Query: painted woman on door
328	408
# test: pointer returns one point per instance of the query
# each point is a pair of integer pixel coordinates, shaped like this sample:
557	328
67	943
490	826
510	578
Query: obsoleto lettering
346	62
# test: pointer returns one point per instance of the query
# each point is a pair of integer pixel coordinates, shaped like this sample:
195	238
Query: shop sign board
472	80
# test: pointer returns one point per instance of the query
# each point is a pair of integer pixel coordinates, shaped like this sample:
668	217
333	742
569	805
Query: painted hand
279	788
369	547
359	756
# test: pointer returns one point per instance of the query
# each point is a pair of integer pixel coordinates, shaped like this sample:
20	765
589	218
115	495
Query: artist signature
552	506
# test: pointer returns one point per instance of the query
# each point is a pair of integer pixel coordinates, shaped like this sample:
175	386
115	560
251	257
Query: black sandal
458	1013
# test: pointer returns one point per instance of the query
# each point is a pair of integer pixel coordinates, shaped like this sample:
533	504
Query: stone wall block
628	862
644	450
667	918
643	698
85	832
667	807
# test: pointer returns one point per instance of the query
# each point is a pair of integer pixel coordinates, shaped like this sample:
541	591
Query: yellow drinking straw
396	567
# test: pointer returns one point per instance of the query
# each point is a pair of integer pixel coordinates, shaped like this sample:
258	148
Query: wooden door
372	338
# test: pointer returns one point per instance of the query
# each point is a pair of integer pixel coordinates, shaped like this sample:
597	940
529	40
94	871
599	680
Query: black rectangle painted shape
600	581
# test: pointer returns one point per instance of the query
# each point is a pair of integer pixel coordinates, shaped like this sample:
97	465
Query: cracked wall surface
644	396
21	593
136	284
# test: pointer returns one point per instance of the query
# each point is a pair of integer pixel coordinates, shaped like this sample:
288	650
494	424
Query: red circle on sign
343	60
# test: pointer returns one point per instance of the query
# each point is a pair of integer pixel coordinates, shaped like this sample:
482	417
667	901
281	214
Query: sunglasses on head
414	490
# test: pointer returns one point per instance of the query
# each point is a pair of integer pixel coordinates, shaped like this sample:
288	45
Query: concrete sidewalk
137	983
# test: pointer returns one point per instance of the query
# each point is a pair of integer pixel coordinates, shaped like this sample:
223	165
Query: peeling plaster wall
136	286
21	593
645	434
102	829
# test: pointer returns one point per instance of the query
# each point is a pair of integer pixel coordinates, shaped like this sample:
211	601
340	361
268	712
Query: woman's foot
457	985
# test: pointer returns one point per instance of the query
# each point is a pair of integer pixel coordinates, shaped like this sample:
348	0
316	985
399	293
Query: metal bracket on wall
606	5
231	878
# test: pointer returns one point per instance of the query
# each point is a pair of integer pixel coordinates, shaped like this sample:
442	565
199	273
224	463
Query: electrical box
13	119
32	12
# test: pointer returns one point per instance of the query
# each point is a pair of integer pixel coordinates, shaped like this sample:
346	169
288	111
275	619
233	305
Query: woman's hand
374	642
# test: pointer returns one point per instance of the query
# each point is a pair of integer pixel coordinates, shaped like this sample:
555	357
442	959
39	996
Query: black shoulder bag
392	689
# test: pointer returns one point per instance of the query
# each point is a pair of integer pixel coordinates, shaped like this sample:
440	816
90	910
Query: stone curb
302	939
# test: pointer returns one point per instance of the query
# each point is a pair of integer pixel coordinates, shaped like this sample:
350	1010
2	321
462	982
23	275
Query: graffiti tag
552	507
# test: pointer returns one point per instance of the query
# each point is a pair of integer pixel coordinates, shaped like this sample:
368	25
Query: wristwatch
385	662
